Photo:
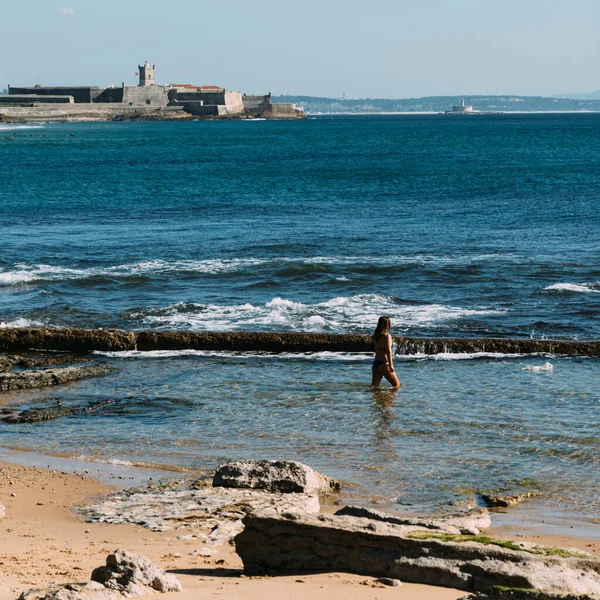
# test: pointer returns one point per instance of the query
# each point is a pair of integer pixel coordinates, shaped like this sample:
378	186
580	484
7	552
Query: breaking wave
341	314
574	288
305	356
282	267
21	322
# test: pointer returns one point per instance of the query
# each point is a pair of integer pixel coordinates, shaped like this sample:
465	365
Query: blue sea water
453	226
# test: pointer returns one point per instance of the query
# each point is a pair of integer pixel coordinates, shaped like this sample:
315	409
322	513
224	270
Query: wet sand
44	541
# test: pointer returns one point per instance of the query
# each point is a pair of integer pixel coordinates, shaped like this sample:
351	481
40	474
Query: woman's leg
377	377
390	376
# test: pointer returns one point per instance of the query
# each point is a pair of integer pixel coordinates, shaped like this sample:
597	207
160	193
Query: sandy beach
44	540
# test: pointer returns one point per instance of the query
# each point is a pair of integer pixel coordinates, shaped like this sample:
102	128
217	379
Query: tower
146	74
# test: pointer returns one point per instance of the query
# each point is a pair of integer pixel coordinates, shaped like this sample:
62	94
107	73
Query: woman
383	365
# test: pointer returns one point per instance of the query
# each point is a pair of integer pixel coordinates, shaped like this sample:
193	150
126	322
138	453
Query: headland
146	101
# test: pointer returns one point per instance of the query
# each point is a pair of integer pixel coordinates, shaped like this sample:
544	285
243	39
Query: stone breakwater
88	340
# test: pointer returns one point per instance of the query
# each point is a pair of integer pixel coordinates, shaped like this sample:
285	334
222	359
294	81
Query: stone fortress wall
31	99
81	94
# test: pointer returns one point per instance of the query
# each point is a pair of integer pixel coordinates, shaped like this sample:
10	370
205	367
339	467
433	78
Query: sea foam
340	314
582	288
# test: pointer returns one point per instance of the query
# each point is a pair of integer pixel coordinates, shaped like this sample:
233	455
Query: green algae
488	541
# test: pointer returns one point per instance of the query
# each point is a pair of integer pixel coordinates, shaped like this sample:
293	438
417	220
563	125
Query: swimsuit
378	363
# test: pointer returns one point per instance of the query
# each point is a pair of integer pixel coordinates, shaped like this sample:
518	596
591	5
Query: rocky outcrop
7	363
82	590
469	523
38	415
292	543
503	593
27	380
201	510
49	360
125	575
134	575
65	340
283	476
87	340
508	500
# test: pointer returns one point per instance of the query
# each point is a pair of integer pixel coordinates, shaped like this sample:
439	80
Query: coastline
47	542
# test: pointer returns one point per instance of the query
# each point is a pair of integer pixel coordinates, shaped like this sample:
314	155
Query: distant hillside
590	96
313	105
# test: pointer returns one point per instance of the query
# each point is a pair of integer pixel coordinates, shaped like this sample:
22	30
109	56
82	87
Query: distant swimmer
383	365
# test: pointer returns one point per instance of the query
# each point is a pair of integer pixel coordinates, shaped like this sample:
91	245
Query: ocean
481	226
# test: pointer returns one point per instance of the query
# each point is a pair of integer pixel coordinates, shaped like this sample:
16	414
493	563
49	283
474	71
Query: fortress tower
146	74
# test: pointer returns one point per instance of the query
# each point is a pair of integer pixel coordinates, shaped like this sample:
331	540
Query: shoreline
46	541
530	519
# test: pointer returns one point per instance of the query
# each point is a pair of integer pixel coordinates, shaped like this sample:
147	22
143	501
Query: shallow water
456	426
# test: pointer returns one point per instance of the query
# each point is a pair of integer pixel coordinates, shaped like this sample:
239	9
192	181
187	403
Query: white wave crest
12	127
20	322
325	356
583	288
22	272
353	313
106	461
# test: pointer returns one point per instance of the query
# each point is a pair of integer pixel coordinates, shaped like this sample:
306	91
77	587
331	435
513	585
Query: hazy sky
375	48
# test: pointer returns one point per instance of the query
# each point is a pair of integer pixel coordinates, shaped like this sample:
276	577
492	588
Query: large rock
469	523
502	593
284	476
27	380
508	500
37	415
272	543
202	509
133	575
85	590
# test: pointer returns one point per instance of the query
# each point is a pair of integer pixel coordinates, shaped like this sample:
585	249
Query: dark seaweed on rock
27	380
88	340
38	415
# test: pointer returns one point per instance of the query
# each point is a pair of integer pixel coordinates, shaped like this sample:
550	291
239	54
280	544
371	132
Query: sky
375	48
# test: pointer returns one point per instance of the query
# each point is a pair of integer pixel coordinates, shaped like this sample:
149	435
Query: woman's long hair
383	324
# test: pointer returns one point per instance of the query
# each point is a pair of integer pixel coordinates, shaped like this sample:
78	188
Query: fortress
145	100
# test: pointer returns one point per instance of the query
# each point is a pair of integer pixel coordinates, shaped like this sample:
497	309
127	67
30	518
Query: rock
208	509
87	340
2	511
53	359
272	543
470	522
503	593
467	523
20	339
134	575
284	476
27	380
389	581
87	590
508	500
37	415
7	363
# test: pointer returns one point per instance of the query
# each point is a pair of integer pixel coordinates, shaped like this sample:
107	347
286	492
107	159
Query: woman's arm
390	352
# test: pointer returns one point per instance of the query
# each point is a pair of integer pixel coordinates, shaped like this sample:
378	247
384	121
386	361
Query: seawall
89	112
88	340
